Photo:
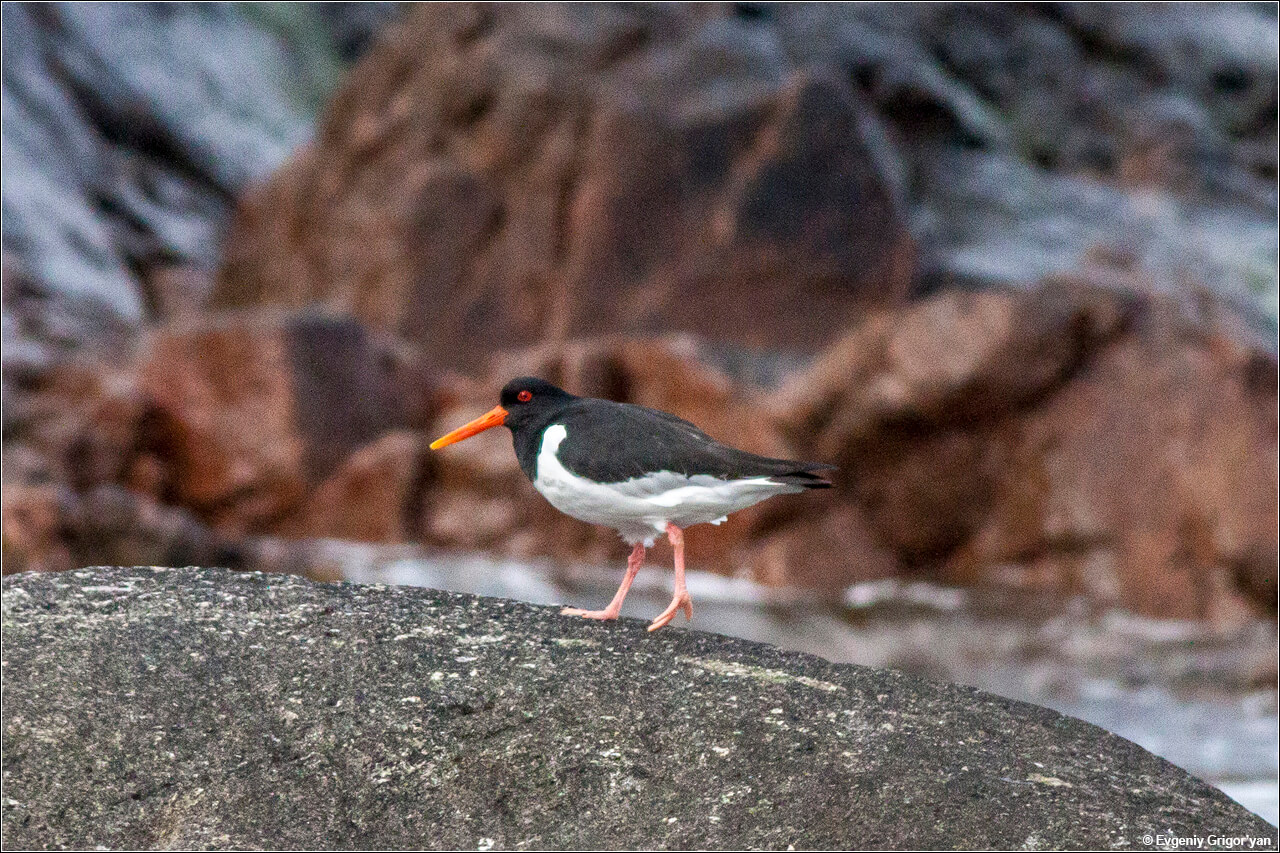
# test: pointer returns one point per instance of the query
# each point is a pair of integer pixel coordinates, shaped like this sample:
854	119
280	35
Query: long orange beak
492	418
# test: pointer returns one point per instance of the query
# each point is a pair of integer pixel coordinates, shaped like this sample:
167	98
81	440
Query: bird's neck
527	440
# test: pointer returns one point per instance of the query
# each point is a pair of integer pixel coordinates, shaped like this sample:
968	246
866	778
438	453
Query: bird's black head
530	399
524	402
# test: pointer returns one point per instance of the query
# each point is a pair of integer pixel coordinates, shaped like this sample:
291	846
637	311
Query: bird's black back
612	442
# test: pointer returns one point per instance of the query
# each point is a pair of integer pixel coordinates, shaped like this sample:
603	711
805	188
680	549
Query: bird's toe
589	614
661	622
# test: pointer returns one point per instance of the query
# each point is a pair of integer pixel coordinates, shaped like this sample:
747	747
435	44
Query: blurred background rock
1012	267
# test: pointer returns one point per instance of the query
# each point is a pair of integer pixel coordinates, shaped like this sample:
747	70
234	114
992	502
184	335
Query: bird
641	471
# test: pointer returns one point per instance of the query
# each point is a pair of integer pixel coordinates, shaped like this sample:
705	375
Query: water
1204	699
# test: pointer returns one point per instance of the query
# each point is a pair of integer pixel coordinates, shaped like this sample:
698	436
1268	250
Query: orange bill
492	418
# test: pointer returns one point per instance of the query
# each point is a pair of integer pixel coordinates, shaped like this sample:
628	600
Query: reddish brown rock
498	176
370	498
957	357
52	528
1160	455
1075	438
176	290
79	425
34	534
825	547
1071	437
224	422
250	411
254	422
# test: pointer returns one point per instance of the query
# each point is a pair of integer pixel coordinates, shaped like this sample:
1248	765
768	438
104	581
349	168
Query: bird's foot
682	601
606	614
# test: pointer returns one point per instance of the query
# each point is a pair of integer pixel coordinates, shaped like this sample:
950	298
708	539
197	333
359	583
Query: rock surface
155	708
1083	437
1079	438
128	131
1072	438
583	152
538	179
315	388
1027	137
496	176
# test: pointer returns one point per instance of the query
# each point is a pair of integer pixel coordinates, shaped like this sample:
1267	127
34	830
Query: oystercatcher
635	469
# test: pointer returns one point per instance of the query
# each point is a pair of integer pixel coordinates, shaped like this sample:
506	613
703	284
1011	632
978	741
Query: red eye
524	396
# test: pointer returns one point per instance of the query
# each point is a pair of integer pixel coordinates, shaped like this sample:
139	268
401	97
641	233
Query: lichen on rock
201	708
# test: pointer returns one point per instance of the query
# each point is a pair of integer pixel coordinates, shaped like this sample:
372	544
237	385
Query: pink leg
680	601
615	606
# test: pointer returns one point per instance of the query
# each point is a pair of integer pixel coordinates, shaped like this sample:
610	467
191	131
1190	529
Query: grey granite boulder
201	708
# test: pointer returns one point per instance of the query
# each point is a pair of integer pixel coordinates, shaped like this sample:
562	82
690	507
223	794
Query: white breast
640	508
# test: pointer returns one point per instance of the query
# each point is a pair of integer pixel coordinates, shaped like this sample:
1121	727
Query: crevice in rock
418	495
561	308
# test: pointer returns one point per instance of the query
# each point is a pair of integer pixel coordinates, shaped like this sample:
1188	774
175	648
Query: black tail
804	476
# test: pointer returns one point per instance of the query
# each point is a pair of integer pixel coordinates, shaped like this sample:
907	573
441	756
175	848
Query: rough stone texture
1024	137
247	412
1083	437
159	708
502	175
514	175
51	527
128	129
1076	438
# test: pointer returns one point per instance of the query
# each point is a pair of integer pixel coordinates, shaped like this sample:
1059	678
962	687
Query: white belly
640	508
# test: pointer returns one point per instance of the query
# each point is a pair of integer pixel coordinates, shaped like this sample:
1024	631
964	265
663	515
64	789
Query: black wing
612	442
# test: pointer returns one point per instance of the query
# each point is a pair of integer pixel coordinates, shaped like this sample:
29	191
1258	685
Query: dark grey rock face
128	130
1028	137
201	708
